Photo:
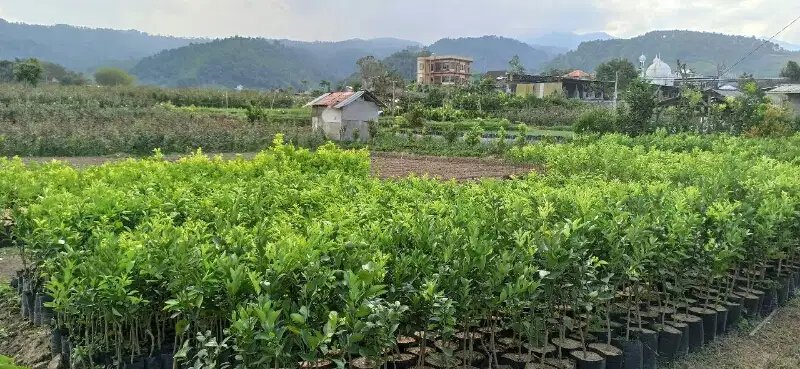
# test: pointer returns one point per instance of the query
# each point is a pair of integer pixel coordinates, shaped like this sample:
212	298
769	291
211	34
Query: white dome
659	73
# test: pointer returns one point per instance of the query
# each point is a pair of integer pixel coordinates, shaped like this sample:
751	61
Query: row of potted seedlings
632	335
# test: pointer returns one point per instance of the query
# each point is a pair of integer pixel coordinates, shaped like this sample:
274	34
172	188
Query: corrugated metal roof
785	89
339	100
332	99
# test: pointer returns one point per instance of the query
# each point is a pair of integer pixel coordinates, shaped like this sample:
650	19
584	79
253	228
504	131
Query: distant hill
404	62
491	52
80	48
788	46
564	40
250	62
701	51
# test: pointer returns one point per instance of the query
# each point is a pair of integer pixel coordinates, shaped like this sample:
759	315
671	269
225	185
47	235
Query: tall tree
325	85
305	84
608	71
113	77
515	66
791	71
29	71
640	102
6	71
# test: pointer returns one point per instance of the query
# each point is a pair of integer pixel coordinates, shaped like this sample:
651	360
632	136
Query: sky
421	20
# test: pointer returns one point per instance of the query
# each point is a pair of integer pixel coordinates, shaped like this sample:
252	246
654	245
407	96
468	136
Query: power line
759	46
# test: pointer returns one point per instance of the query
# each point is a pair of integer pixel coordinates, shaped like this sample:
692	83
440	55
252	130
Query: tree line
34	71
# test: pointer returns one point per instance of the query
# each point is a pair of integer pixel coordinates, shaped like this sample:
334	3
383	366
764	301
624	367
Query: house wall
356	116
794	99
525	89
351	117
548	88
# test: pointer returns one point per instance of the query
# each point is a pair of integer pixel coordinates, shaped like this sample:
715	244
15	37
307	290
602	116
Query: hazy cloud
422	20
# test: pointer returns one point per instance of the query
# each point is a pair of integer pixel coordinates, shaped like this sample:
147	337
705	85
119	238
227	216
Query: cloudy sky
421	20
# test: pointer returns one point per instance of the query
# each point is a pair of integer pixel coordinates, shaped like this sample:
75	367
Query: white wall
351	117
361	110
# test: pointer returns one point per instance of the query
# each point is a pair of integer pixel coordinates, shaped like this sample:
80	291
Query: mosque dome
659	73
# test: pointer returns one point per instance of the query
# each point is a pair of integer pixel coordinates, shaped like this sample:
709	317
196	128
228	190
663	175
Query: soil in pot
560	363
649	340
440	360
709	322
611	353
364	363
463	337
474	358
669	340
683	346
696	331
416	350
540	350
449	345
516	361
400	361
430	337
566	345
405	342
538	366
750	305
588	359
632	352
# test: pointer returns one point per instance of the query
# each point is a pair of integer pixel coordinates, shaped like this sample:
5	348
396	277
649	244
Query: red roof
578	74
333	99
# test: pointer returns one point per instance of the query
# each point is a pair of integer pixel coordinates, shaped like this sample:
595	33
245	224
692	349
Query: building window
421	66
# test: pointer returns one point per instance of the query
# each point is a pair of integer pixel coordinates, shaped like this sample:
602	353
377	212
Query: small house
341	114
789	94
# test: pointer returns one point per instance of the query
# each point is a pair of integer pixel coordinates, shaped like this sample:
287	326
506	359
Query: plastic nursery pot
709	322
769	301
750	305
65	351
783	292
396	361
722	319
55	342
153	362
632	352
649	339
669	341
136	363
439	360
566	345
538	366
588	359
696	331
683	346
516	361
167	360
473	358
611	353
37	309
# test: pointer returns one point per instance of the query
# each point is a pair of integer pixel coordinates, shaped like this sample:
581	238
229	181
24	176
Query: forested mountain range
491	52
81	48
703	52
564	41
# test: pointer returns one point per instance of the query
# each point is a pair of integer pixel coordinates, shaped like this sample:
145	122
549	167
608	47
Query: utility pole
616	87
394	110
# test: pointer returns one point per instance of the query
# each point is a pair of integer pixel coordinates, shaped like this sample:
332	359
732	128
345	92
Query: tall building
443	70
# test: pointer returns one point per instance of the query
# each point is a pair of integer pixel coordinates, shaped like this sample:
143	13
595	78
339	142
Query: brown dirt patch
19	339
10	263
396	165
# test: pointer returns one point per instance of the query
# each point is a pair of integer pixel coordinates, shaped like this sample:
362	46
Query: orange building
443	70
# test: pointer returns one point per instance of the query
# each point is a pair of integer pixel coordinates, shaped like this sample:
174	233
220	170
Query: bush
473	136
597	121
450	133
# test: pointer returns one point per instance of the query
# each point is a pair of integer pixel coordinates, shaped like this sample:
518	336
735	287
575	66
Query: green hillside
251	62
703	52
79	48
